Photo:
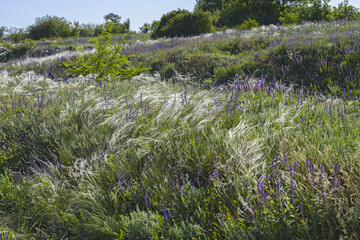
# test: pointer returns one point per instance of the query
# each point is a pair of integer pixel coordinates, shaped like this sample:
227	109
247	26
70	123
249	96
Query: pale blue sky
22	13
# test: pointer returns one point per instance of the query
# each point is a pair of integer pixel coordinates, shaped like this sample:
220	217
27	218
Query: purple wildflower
148	215
165	214
302	211
312	176
146	199
222	219
285	162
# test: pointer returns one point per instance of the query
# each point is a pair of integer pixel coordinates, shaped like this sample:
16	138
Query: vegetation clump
183	23
106	61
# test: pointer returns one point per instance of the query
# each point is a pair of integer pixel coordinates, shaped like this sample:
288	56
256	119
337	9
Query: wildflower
146	199
165	214
292	187
302	211
148	215
312	176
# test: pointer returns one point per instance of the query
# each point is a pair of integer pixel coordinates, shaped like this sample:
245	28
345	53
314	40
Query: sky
22	13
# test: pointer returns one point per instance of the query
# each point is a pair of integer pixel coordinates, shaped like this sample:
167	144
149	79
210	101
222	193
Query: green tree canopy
113	25
112	17
183	23
208	5
48	27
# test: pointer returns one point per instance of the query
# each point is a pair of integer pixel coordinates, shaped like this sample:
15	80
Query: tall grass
144	158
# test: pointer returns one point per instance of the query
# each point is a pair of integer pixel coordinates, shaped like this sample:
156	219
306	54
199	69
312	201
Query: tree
49	27
3	29
183	23
145	28
16	34
154	25
307	10
113	24
112	17
345	11
208	5
235	12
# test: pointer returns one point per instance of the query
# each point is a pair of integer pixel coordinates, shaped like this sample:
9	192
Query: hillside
233	135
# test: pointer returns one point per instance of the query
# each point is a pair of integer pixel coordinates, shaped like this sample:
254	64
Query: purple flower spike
146	199
222	219
165	214
148	215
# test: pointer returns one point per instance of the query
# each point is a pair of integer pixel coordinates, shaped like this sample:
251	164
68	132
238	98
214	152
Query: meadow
234	135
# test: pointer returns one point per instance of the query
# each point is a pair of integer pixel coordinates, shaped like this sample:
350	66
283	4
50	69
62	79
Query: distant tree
183	23
145	28
345	11
112	17
3	29
126	25
87	30
48	27
99	29
307	10
154	25
208	5
235	12
114	26
17	34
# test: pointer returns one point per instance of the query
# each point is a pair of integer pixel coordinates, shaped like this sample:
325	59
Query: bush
17	34
183	23
251	23
49	27
106	61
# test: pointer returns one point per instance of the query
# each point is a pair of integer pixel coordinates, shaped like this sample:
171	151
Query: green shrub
248	24
49	27
168	71
224	74
183	23
106	61
17	34
142	225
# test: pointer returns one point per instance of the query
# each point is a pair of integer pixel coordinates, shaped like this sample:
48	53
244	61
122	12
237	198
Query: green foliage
49	27
307	10
112	17
208	5
18	51
168	71
235	12
345	11
142	225
183	23
17	34
3	29
106	61
113	24
145	28
248	24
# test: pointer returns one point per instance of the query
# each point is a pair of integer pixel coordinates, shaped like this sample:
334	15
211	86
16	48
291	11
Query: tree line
208	15
54	27
221	14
